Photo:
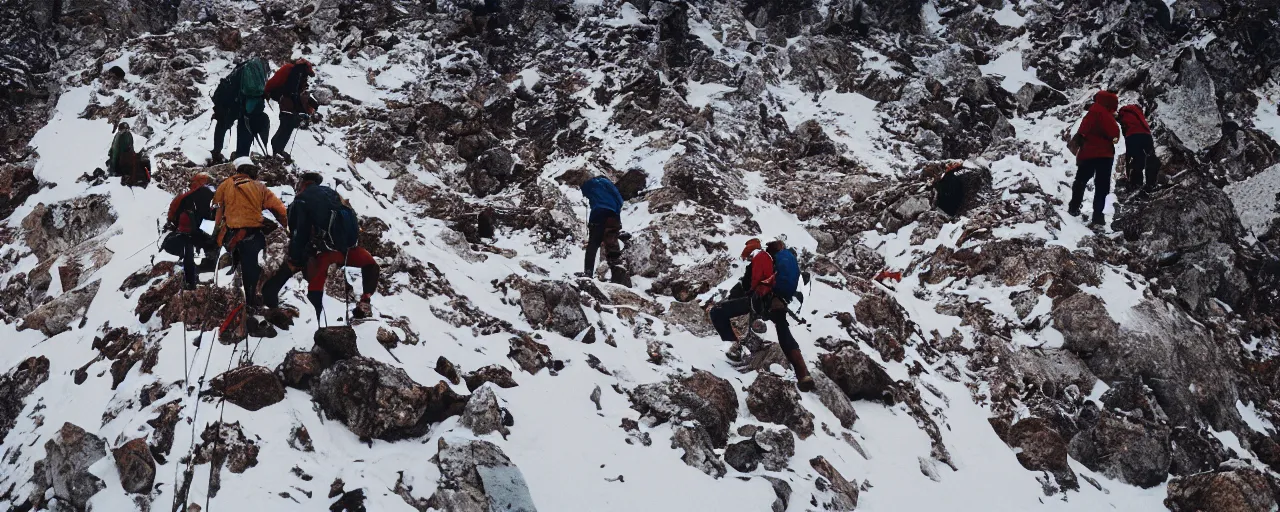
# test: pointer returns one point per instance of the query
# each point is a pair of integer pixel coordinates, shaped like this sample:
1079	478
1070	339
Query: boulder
781	493
482	414
553	305
51	230
70	453
691	317
830	394
250	387
1041	448
377	400
339	342
299	369
225	445
1084	322
775	400
16	385
476	476
445	368
844	493
531	355
698	450
857	375
632	183
702	397
1134	453
136	466
62	313
498	375
771	448
1238	490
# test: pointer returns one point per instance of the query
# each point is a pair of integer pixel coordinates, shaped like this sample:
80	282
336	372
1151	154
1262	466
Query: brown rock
844	492
1042	449
857	375
136	466
1240	490
16	385
339	342
775	400
250	387
445	368
299	368
498	375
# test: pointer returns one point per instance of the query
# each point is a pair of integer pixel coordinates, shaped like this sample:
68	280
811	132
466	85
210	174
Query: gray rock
857	375
1041	448
830	394
702	397
476	476
53	229
338	342
376	400
844	493
69	454
775	400
691	317
62	313
1084	322
136	466
1134	453
553	305
782	494
16	385
483	415
698	451
250	387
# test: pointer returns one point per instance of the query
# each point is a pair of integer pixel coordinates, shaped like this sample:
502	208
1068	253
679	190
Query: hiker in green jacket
120	156
239	99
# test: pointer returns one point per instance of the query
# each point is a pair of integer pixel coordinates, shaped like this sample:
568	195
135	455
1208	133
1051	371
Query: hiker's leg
1101	184
595	236
785	339
369	269
1152	168
250	270
219	133
261	126
721	314
271	288
244	139
189	275
1084	172
288	121
318	269
1135	159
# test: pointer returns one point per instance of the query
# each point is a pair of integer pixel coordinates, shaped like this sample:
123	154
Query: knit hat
752	246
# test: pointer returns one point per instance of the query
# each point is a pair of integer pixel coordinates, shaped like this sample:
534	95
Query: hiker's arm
1111	128
218	204
277	209
761	273
173	209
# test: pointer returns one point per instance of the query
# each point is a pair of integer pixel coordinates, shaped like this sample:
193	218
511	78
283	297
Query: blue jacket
602	194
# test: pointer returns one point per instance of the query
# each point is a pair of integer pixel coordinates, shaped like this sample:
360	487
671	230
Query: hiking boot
804	382
582	275
1098	220
735	352
281	317
1073	211
217	159
285	155
363	309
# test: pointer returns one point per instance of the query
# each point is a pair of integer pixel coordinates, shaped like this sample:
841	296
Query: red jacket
191	208
761	273
1099	128
1132	121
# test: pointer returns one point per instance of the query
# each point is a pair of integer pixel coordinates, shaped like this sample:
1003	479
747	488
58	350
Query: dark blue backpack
341	231
787	270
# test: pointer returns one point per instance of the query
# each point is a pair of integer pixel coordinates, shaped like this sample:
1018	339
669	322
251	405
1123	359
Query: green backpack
253	83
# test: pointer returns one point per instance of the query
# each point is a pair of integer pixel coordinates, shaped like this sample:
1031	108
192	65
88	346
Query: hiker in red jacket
1141	164
1099	132
186	213
289	88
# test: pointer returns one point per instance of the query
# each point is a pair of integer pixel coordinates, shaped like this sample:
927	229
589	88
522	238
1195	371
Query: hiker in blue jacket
604	227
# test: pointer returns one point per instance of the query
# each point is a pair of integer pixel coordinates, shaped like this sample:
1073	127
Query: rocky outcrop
1041	448
772	399
830	394
498	375
857	375
482	414
16	385
699	452
376	400
337	342
63	313
225	445
1242	489
136	466
66	466
53	229
701	397
1084	322
1135	453
249	387
844	493
553	305
476	476
768	448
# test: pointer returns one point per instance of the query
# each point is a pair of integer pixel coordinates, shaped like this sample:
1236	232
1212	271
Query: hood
200	179
1107	99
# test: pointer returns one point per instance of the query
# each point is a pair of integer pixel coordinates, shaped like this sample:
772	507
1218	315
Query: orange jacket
240	201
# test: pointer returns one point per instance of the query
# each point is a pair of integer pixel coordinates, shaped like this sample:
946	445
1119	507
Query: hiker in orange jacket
240	201
1100	133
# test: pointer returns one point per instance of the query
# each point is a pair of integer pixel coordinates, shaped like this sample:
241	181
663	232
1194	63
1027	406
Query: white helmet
243	161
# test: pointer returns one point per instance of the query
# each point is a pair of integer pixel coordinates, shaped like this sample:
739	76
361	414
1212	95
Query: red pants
317	272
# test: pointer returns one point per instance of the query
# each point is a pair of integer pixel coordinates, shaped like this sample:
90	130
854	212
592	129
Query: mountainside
1024	361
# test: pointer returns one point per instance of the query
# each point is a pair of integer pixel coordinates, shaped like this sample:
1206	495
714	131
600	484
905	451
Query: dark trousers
258	125
1099	170
250	271
603	227
724	312
1141	163
195	240
288	122
220	129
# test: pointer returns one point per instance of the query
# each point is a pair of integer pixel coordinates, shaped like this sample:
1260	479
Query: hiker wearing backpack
1142	167
186	212
604	228
1096	139
323	231
288	86
240	100
769	284
240	201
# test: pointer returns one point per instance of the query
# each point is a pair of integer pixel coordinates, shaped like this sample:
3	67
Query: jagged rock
204	308
702	397
1238	490
475	476
889	323
445	368
483	415
299	369
225	445
60	314
136	466
166	420
16	385
498	375
70	453
844	492
339	342
645	255
743	456
553	305
775	400
1084	322
632	183
857	375
17	183
250	387
53	229
830	394
532	356
300	439
691	316
771	448
1134	453
1041	448
781	492
1194	451
376	400
698	450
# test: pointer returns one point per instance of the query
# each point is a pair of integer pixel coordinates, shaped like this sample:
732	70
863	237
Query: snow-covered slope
1032	363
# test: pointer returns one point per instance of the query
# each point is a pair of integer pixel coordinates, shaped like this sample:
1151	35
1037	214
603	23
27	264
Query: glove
170	226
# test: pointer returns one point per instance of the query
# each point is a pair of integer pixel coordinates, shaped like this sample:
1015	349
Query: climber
323	231
949	187
240	226
120	156
768	285
1097	137
289	88
604	227
239	100
186	213
1142	166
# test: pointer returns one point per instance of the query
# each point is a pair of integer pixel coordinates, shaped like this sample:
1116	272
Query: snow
1255	200
700	95
1010	66
1008	17
1249	413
